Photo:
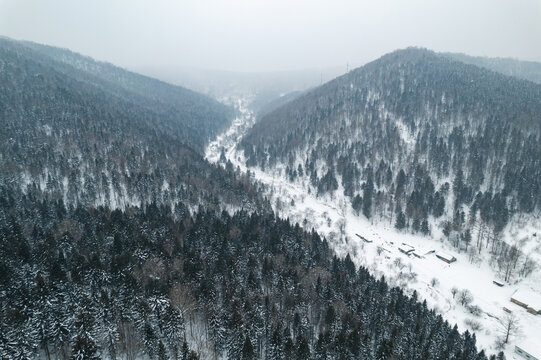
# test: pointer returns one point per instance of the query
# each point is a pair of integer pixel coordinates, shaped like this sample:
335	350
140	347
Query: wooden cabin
528	299
445	257
528	351
406	249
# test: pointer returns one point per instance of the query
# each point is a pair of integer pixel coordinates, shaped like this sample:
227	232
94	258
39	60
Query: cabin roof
528	297
531	347
406	248
445	256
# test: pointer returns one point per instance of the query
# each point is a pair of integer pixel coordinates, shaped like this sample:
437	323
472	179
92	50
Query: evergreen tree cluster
193	117
90	283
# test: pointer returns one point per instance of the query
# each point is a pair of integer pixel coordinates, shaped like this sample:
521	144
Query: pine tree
289	348
235	330
424	227
84	348
247	352
368	192
357	203
400	221
415	225
303	349
162	353
467	238
274	349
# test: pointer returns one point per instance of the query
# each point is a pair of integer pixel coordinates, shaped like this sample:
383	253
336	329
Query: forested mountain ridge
67	135
201	117
405	80
526	70
418	139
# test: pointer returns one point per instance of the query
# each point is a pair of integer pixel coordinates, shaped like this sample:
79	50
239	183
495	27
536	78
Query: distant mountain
260	88
526	70
415	138
266	107
97	135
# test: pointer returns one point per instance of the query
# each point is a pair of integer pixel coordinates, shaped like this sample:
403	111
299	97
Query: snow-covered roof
528	297
406	248
423	250
445	256
531	347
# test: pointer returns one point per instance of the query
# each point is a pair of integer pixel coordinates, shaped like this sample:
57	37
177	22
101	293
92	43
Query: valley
463	292
270	180
362	218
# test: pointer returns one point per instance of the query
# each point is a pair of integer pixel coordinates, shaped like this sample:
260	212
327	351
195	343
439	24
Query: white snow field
432	278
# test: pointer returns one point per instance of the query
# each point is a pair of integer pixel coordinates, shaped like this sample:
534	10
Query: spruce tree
424	227
400	221
247	352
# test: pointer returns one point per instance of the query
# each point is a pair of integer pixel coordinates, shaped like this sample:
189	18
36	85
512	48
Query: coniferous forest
91	283
419	140
119	240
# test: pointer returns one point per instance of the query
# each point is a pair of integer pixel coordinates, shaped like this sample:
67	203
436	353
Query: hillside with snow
119	239
464	291
424	144
80	132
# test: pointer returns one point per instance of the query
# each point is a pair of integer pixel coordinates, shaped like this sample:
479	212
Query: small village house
528	351
406	249
528	299
445	257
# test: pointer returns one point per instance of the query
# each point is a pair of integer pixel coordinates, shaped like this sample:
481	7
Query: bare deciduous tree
465	297
130	343
509	326
183	300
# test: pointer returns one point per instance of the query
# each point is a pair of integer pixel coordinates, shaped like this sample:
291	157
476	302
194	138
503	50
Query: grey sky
260	35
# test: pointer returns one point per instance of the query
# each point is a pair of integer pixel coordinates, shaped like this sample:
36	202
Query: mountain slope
526	70
67	135
276	103
201	117
95	283
113	245
417	139
406	82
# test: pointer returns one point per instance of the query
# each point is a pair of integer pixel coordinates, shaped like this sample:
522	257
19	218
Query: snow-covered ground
433	279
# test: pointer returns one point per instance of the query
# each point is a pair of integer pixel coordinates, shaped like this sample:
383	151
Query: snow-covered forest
142	220
478	307
423	142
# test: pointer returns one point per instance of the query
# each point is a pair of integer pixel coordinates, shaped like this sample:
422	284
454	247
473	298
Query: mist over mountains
526	70
118	239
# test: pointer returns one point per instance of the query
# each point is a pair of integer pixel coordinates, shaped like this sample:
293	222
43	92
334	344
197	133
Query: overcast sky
269	35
